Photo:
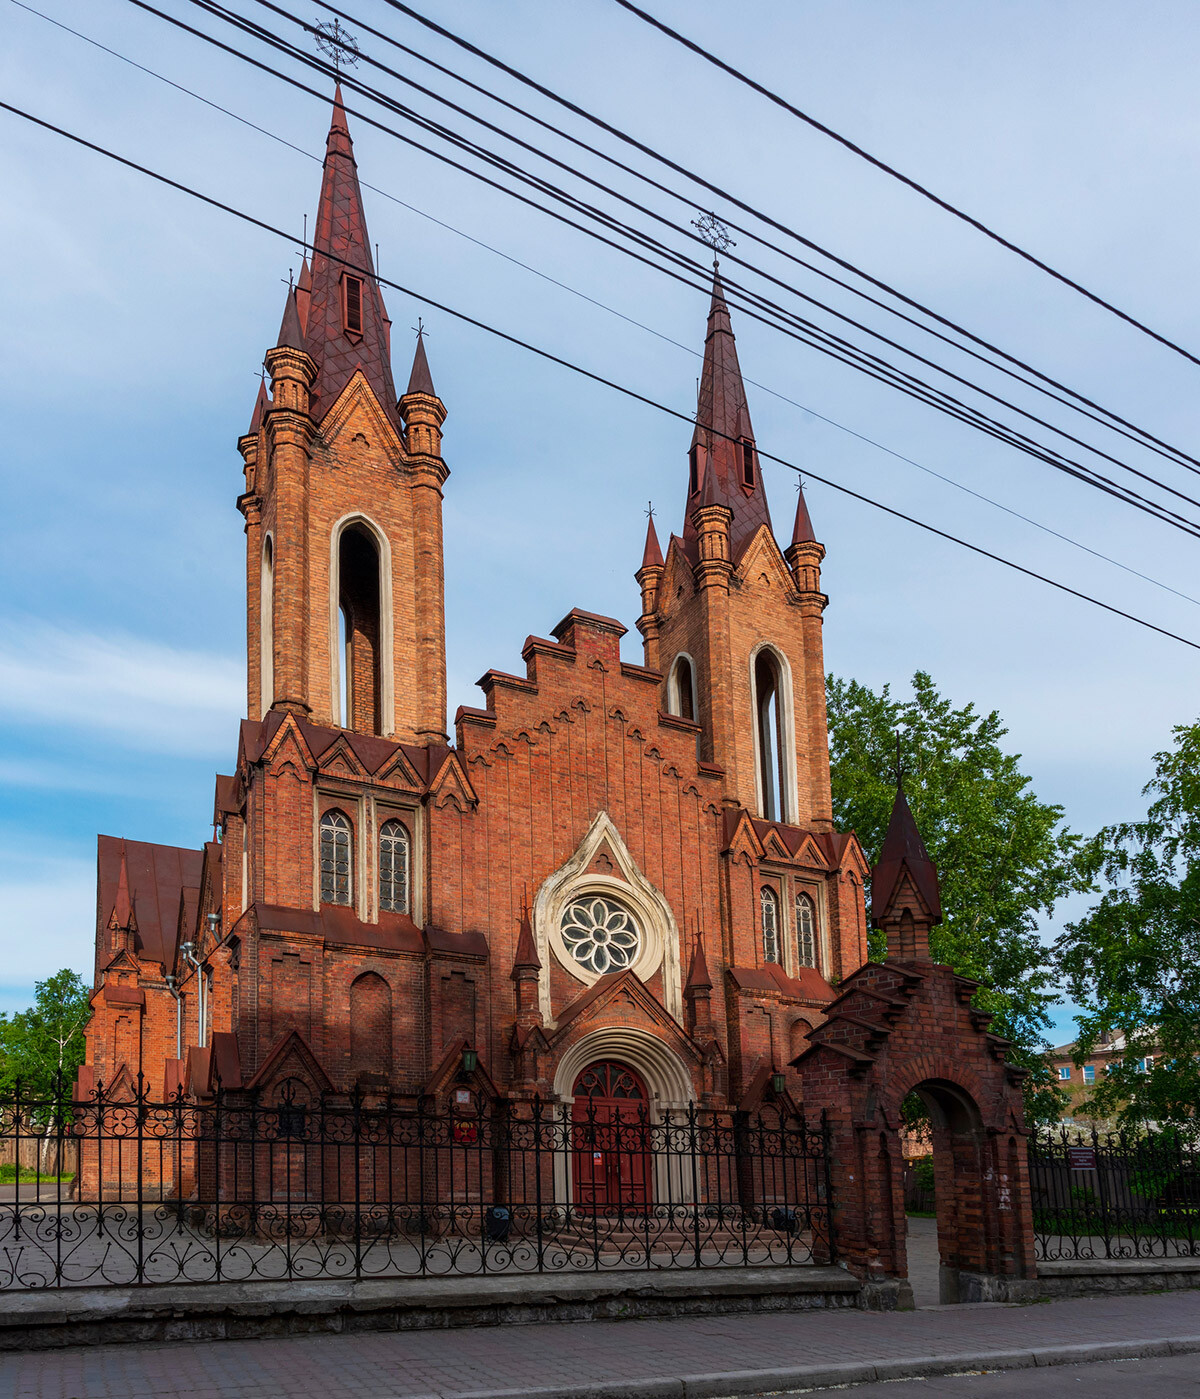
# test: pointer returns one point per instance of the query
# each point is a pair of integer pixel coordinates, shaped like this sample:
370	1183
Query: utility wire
613	311
579	369
878	368
904	179
729	198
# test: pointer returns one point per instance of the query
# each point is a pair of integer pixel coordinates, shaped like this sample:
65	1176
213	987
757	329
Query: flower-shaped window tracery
600	934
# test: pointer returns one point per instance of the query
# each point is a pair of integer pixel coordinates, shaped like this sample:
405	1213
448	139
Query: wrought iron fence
1115	1194
246	1186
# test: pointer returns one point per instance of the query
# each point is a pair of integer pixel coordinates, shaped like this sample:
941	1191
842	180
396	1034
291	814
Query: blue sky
136	321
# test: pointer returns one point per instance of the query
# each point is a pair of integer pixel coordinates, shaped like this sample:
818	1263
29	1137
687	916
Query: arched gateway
907	1025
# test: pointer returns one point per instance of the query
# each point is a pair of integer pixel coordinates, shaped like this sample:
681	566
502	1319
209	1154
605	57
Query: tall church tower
345	621
732	620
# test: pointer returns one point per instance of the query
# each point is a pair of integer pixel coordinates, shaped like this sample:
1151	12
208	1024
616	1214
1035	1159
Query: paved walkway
641	1358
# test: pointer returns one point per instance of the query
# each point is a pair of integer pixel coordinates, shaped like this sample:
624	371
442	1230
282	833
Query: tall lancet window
394	863
769	727
770	924
681	689
359	604
337	858
266	662
806	931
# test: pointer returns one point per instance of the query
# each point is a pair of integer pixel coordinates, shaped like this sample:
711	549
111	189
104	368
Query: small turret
804	554
527	968
649	576
697	993
422	410
905	898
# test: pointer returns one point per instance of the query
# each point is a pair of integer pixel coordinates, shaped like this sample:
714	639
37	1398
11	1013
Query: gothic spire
346	327
261	403
698	978
904	851
802	530
122	912
526	956
723	441
420	380
290	335
652	554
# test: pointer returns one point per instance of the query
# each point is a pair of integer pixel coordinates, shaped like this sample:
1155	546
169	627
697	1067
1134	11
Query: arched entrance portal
610	1164
959	1143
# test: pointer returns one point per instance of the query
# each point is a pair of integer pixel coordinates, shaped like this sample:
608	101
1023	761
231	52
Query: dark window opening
693	470
360	634
353	318
770	735
680	699
747	463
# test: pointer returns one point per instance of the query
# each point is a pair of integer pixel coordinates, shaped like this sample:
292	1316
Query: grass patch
10	1175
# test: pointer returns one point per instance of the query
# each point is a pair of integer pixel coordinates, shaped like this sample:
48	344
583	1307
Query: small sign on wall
462	1097
1081	1158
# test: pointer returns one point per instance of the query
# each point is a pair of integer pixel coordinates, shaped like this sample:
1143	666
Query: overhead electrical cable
589	374
878	368
613	311
912	184
468	47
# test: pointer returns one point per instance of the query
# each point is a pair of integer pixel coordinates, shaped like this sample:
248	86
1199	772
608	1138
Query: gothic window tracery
600	934
337	854
394	866
769	902
806	931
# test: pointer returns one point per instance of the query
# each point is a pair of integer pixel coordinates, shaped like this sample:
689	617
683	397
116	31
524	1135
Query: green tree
45	1041
1133	962
1004	857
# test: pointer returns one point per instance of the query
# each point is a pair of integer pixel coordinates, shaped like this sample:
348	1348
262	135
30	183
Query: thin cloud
141	694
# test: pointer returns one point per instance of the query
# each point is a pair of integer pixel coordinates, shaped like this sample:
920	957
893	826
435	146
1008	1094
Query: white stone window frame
387	689
786	701
353	804
674	703
381	813
659	933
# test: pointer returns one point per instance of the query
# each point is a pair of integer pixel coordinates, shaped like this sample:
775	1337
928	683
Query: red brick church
615	878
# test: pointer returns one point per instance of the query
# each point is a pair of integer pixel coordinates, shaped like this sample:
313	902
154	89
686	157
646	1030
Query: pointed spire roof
122	913
698	978
420	380
304	293
802	530
526	954
904	851
290	334
261	403
342	248
722	425
652	556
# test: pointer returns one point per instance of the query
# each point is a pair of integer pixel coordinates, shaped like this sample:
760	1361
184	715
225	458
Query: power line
904	179
552	358
612	310
827	343
1173	453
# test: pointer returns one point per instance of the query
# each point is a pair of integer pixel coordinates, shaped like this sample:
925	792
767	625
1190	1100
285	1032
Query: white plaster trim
785	699
667	1081
651	911
387	697
673	702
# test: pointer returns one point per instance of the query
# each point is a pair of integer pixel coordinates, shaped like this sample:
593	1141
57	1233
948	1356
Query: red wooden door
610	1145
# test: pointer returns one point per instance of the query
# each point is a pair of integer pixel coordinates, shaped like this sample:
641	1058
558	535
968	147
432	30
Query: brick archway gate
907	1024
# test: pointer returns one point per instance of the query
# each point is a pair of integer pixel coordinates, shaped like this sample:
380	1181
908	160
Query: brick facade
379	897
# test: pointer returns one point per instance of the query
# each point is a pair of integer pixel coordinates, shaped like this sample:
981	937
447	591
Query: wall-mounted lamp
470	1058
778	1083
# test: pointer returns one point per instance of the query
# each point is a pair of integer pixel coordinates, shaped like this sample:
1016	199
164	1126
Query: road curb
739	1384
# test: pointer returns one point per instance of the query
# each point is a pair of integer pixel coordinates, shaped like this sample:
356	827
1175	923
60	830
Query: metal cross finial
650	510
337	44
714	233
419	329
899	763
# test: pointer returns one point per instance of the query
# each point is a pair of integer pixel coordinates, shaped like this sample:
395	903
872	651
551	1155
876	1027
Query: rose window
600	935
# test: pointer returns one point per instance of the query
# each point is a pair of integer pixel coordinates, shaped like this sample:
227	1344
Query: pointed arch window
337	858
360	630
681	688
395	862
769	902
769	727
266	667
806	931
693	470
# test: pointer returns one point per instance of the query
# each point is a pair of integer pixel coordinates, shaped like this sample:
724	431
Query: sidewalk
694	1358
